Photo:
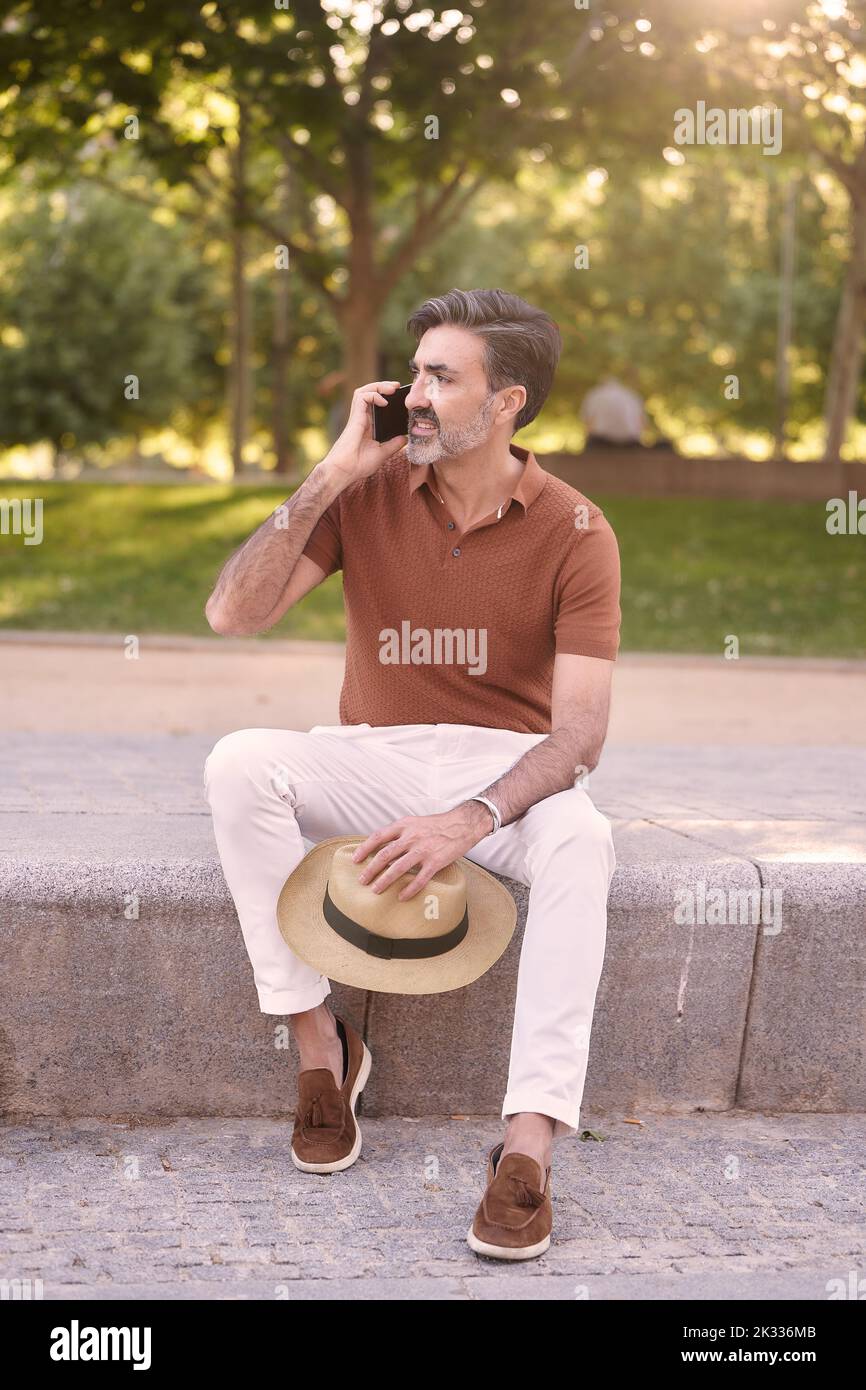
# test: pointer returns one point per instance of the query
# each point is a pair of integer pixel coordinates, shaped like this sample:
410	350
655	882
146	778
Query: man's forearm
254	578
550	767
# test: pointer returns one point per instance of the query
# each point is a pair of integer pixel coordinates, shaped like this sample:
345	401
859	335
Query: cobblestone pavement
65	794
708	1206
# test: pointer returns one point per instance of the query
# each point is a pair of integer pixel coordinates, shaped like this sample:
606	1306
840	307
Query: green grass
143	559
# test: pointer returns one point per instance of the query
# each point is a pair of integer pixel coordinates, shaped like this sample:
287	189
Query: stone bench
128	992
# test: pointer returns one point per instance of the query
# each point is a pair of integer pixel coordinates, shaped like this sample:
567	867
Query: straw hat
443	937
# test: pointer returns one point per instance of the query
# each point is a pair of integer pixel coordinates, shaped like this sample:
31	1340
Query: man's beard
450	441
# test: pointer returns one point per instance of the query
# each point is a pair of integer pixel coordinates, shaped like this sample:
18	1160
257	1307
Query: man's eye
413	371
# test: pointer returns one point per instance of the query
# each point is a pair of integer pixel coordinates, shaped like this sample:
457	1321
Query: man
614	416
452	527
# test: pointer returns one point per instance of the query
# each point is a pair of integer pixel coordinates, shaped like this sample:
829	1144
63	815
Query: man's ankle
532	1134
315	1027
318	1041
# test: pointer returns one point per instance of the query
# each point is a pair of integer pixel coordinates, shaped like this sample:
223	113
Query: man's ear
513	402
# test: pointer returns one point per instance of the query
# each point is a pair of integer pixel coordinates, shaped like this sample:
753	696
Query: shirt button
451	526
456	550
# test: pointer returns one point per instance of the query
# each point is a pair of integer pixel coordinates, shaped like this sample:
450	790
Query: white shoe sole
340	1163
505	1252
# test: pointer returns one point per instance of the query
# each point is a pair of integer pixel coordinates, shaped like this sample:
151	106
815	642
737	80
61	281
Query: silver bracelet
494	811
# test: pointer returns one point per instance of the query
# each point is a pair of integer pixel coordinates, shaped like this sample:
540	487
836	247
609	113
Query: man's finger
396	870
382	389
378	837
378	386
393	446
420	880
379	861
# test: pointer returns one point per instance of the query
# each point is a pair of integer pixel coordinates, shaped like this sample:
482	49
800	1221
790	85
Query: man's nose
417	398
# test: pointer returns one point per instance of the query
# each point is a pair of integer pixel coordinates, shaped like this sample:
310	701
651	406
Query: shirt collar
525	490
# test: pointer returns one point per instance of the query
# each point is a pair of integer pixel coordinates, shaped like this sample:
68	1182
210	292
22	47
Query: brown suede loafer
515	1217
326	1137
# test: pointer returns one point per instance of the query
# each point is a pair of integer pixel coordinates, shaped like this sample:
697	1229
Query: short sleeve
588	614
325	547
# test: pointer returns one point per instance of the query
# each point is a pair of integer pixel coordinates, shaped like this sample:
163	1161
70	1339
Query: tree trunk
280	340
361	308
359	326
846	359
239	375
784	332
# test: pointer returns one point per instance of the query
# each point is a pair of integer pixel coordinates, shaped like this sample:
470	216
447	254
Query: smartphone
391	419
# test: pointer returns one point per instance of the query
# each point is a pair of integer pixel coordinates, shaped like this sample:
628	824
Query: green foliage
91	291
348	107
683	284
682	287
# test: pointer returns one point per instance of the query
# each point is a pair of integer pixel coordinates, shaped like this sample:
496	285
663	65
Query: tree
92	294
395	118
811	59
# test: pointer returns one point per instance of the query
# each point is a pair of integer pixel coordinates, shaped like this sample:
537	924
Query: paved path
702	1206
81	683
109	797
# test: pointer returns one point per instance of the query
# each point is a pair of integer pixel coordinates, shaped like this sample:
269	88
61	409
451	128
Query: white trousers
274	793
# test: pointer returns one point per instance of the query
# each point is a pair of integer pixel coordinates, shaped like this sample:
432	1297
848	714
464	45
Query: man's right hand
356	454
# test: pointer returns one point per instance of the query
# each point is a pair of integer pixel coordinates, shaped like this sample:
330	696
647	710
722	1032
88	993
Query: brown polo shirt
451	627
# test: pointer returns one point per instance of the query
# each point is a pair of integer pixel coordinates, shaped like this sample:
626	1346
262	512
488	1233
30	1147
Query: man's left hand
425	842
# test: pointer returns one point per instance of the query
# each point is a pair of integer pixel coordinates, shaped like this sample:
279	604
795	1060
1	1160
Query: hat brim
301	919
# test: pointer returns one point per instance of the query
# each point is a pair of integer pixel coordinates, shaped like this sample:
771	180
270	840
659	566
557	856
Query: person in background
615	417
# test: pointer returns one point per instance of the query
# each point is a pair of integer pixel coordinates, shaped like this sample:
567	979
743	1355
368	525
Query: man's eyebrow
434	367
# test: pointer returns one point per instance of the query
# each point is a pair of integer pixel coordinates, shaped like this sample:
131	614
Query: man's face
450	405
